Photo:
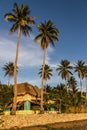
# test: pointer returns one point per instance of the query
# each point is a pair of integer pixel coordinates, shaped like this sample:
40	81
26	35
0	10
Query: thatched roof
26	88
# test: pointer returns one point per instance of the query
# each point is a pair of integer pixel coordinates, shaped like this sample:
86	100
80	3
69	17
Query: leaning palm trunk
42	82
13	111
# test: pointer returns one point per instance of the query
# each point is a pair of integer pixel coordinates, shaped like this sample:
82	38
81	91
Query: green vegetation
6	95
55	97
50	128
63	101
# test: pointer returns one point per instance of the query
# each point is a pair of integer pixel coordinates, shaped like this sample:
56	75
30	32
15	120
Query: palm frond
20	17
26	30
38	37
15	9
14	28
47	34
10	17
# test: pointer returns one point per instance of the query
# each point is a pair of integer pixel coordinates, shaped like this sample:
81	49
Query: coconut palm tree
9	70
79	68
73	93
64	69
47	35
73	85
21	19
47	73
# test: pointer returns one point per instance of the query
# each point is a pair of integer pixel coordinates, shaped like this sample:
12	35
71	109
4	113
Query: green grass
50	128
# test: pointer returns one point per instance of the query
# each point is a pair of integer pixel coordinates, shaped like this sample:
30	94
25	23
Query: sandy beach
44	121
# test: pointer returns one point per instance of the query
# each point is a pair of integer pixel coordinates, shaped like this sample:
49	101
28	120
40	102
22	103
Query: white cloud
30	54
7	49
55	79
33	81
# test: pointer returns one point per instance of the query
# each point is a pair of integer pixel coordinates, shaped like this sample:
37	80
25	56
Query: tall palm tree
47	35
79	68
22	20
64	69
9	70
47	73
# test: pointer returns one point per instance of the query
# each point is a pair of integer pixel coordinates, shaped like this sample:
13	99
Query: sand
46	121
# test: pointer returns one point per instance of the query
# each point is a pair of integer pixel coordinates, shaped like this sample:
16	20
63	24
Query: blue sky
69	16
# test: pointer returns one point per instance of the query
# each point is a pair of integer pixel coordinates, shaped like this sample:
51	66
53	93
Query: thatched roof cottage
28	96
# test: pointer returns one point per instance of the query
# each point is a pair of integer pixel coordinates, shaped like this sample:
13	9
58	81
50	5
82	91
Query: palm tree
21	22
64	69
79	68
47	73
73	93
73	84
47	35
9	70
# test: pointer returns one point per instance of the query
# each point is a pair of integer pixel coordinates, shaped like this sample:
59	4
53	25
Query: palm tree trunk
67	79
86	87
13	111
45	85
42	81
81	85
8	80
66	86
